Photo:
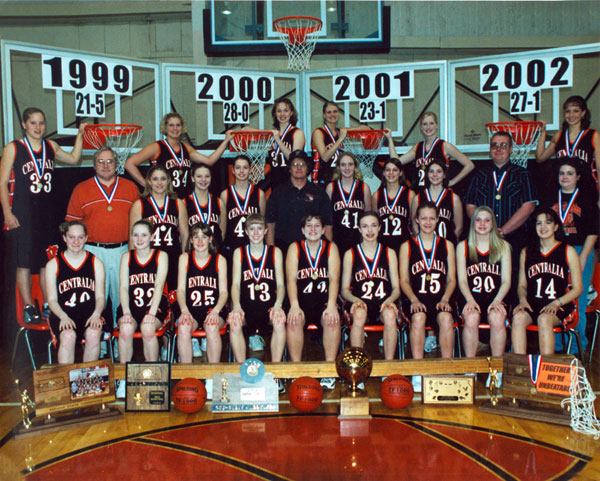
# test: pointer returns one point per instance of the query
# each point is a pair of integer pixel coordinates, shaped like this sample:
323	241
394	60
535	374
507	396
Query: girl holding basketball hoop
288	138
26	175
392	201
142	275
575	140
160	205
483	264
326	144
433	148
549	284
349	197
75	282
240	200
449	206
175	154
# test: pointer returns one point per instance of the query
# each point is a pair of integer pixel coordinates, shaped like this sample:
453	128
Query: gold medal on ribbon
109	208
257	287
315	276
163	228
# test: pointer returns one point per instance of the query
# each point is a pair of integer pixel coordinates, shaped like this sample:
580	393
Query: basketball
396	391
306	394
189	395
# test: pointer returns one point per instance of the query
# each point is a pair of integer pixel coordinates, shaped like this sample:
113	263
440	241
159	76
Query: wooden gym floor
421	442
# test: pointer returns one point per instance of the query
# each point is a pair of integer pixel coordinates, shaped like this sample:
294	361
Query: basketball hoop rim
315	27
364	132
515	123
523	132
243	133
124	128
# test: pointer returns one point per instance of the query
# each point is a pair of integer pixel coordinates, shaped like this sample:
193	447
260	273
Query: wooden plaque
232	394
448	389
73	386
148	386
354	406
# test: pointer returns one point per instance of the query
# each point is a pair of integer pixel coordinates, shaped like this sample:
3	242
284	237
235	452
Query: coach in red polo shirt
102	203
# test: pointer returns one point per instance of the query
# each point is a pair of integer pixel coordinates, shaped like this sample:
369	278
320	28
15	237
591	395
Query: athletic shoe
164	354
121	389
196	347
45	312
327	382
360	385
430	344
381	342
256	343
103	350
280	385
116	352
208	384
417	384
203	344
591	294
498	380
31	315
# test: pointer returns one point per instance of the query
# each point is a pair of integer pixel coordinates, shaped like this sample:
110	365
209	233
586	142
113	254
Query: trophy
354	366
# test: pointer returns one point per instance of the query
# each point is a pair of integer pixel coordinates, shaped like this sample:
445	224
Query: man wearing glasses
292	201
102	203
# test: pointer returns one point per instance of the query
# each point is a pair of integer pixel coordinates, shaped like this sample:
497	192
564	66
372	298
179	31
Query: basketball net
365	145
524	134
299	34
255	144
121	138
581	402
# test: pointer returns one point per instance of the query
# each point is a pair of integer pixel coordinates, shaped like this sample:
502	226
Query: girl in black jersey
204	207
392	201
142	277
239	201
428	279
350	196
160	205
450	208
483	263
175	153
26	178
257	292
370	284
549	283
313	282
327	144
433	148
575	140
75	282
288	138
201	294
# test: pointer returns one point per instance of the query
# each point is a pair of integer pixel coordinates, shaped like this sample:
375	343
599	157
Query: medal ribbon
369	266
277	148
564	213
179	161
333	138
571	151
262	263
427	154
206	219
439	199
313	265
162	214
110	196
236	198
395	201
535	366
500	184
428	259
346	201
39	167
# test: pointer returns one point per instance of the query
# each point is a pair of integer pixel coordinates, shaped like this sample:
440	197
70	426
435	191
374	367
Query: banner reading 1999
372	89
236	91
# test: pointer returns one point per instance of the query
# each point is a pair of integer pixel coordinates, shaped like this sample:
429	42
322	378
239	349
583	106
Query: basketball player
549	284
204	207
201	294
428	279
483	264
392	201
433	148
313	280
26	175
143	303
257	292
370	285
349	197
327	144
175	154
75	282
239	201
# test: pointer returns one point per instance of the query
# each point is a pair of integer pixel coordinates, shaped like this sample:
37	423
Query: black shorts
431	314
162	314
79	327
564	316
27	249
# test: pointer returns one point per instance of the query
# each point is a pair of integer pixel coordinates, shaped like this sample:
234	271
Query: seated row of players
371	283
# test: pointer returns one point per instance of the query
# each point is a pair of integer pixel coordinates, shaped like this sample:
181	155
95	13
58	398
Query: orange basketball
396	391
189	395
306	394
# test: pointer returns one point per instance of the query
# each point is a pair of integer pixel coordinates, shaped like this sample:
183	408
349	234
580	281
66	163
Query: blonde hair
497	244
148	190
337	174
169	116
